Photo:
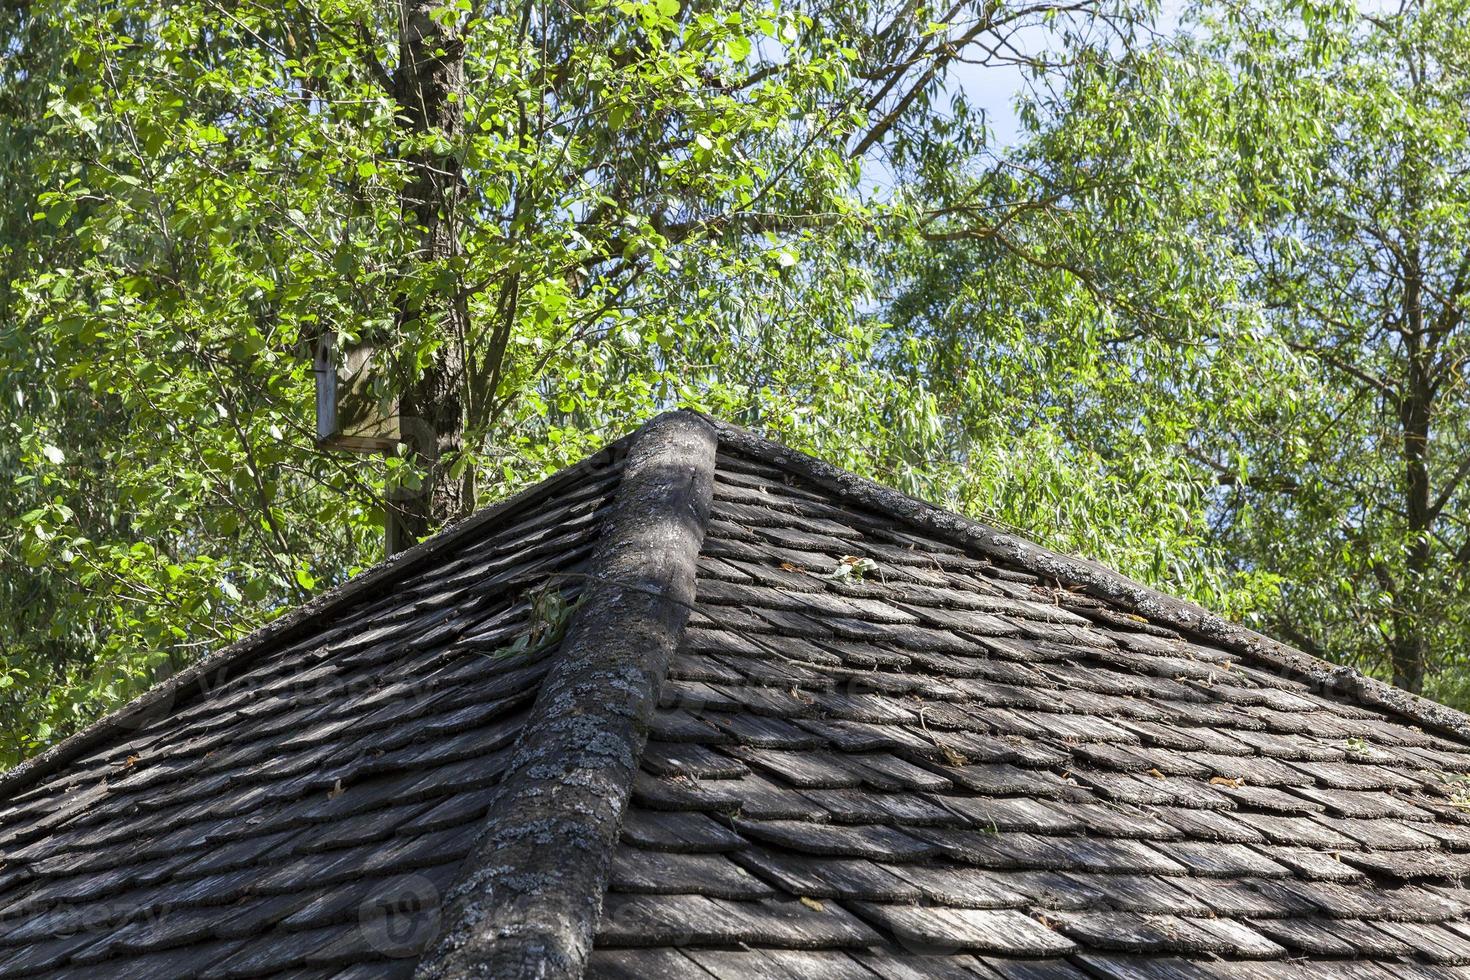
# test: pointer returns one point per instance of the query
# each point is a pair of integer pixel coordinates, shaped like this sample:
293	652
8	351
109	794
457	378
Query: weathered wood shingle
881	741
1006	773
305	802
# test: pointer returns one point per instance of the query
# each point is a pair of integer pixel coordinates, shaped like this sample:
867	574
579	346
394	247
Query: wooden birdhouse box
351	413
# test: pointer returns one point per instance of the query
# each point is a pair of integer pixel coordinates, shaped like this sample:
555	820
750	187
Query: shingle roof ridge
527	902
210	671
1104	583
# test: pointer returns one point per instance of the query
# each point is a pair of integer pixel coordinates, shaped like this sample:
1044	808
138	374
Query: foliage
637	203
1359	261
1202	323
1227	271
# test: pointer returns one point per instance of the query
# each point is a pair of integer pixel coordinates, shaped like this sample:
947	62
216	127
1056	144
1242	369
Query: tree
1062	299
549	220
1242	252
1362	270
429	90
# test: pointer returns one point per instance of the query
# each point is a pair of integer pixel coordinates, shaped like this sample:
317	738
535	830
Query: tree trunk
1410	648
429	87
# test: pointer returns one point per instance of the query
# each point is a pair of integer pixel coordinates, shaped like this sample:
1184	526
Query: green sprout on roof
1458	785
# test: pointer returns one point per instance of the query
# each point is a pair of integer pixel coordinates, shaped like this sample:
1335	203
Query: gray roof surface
969	758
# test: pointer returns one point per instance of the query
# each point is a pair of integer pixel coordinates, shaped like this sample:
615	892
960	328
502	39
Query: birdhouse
351	413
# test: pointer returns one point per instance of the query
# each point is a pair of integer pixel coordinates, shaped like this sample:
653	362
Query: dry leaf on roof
851	567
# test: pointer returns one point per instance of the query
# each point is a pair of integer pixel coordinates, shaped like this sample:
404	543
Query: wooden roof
794	725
